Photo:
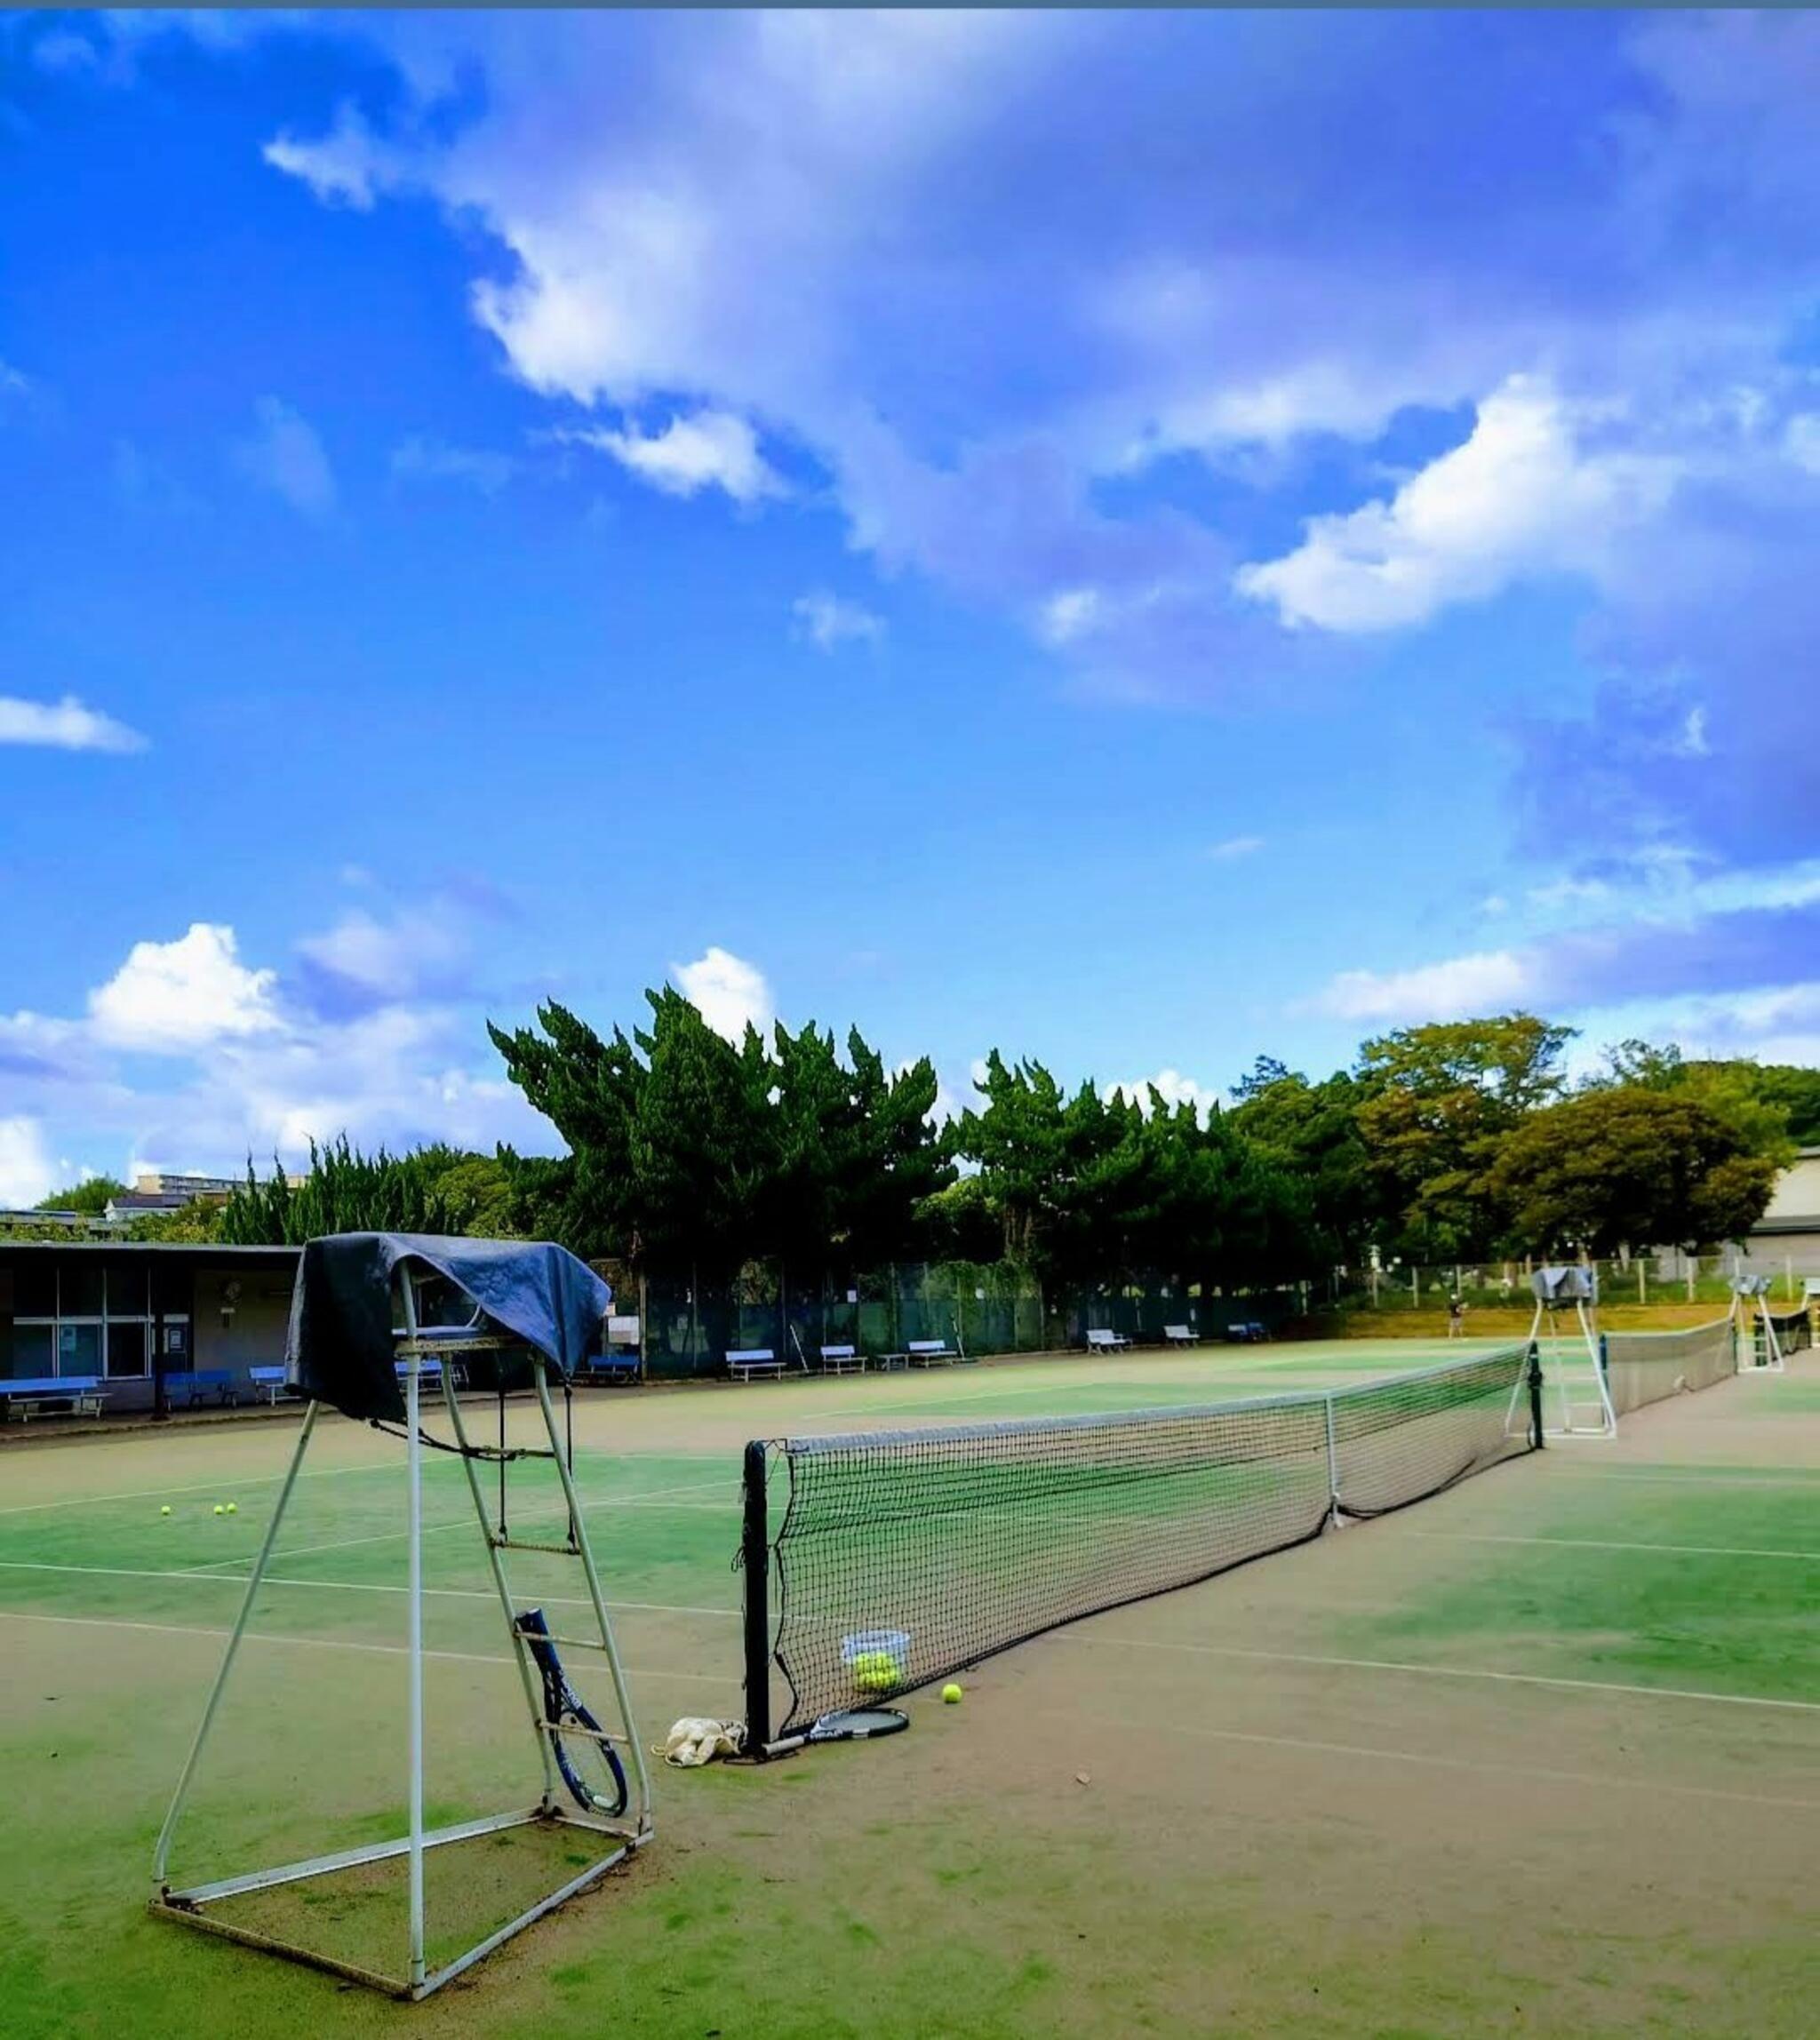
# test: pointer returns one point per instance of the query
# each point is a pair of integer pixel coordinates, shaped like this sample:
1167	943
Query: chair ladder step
562	1643
585	1735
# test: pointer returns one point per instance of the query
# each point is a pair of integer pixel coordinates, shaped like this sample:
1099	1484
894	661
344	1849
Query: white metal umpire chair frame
416	1348
1750	1309
1576	1402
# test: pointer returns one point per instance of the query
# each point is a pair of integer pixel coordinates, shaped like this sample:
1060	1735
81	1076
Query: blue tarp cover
342	1344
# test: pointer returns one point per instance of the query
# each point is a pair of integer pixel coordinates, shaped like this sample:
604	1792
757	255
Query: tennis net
1794	1331
1644	1367
900	1557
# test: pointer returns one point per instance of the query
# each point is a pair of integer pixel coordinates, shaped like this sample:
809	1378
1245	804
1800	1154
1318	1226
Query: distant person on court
1456	1317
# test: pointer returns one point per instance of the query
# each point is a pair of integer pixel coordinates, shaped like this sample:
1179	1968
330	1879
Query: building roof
195	1250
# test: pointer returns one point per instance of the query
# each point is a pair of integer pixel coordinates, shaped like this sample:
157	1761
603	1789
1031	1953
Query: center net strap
904	1556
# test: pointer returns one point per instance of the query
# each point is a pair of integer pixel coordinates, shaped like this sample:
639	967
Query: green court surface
1540	1755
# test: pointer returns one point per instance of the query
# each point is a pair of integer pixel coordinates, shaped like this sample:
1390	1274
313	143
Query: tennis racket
567	1720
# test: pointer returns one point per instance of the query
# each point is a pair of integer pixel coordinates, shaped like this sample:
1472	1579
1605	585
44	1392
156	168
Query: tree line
691	1156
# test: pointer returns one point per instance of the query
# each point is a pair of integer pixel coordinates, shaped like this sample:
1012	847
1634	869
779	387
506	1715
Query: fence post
1691	1264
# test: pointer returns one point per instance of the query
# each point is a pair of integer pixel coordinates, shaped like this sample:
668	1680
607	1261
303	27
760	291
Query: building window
34	1349
128	1344
78	1347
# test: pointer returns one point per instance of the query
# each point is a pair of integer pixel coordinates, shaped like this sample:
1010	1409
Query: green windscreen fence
689	1327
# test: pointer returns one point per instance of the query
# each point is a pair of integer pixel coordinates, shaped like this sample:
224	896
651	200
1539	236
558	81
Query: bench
752	1361
843	1360
48	1395
1246	1332
930	1353
269	1384
1181	1336
1107	1341
610	1366
429	1366
195	1388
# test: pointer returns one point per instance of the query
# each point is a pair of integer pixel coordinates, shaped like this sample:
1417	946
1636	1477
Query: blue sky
1137	540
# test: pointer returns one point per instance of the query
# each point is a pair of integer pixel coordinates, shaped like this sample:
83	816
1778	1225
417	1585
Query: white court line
342	1586
1623	1476
1652	1786
1612	1544
659	1498
1442	1671
320	1473
330	1644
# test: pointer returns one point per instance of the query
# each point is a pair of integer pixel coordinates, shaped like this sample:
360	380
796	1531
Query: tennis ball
234	1508
220	1511
165	1510
952	1695
874	1671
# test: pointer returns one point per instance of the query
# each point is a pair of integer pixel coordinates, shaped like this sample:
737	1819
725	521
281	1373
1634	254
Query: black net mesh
1647	1366
903	1555
1794	1330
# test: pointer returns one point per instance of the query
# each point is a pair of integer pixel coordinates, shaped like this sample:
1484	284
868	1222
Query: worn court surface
1540	1756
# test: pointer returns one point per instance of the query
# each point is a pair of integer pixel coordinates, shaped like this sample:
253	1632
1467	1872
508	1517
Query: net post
754	1559
1535	1381
1333	1464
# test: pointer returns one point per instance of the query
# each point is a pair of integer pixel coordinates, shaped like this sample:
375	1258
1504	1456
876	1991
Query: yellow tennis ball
874	1671
234	1508
165	1510
220	1511
951	1692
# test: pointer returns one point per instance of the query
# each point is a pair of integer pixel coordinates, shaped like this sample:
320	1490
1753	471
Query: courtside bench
195	1388
268	1384
843	1360
1246	1332
1107	1341
930	1353
1181	1336
53	1395
610	1366
752	1363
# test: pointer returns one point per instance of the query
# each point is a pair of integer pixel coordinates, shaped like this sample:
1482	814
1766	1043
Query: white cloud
727	991
175	997
707	450
828	621
346	167
1236	847
1531	491
25	1170
420	458
285	455
393	960
1453	990
13	382
1174	1087
65	725
1069	616
1801	441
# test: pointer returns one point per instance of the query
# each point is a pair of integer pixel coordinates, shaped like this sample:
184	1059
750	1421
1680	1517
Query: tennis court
1540	1755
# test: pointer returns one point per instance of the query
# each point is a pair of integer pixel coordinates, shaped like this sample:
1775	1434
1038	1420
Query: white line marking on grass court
1612	1544
340	1586
1653	1786
659	1499
330	1644
1444	1671
332	1473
